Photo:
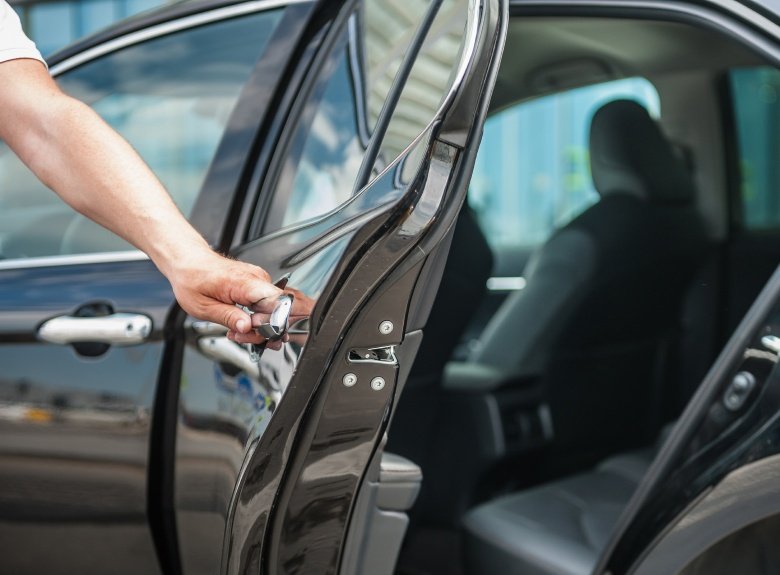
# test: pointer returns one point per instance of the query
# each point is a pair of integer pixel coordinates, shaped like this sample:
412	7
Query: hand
302	308
208	287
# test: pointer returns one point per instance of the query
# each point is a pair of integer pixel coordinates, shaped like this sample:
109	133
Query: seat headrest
629	154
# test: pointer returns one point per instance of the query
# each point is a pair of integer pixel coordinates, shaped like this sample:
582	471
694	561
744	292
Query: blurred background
53	25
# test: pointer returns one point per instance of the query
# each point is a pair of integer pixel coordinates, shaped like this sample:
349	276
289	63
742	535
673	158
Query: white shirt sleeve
13	42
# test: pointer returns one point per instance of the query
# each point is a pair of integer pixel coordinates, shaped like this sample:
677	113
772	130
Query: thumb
260	294
231	317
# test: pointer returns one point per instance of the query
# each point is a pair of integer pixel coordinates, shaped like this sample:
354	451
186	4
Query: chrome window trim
73	260
168	28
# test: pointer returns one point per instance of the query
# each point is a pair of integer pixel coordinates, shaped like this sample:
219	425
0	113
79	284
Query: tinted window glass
330	139
756	93
331	154
333	139
173	110
429	80
533	172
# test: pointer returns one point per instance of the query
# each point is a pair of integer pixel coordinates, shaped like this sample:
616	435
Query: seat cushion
558	528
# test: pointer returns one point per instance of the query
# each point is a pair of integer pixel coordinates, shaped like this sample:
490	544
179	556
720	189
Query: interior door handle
114	329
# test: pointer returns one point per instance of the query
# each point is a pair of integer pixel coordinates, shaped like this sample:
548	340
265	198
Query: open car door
278	448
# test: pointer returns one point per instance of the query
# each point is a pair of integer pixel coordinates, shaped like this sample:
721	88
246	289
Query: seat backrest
462	287
603	295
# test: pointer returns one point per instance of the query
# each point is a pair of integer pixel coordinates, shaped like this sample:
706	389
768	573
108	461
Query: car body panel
107	473
174	437
76	430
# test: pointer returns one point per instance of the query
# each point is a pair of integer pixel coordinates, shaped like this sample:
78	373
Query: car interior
554	363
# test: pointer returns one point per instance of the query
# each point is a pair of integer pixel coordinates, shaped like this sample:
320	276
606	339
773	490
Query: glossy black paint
227	405
263	471
345	424
207	458
75	440
315	507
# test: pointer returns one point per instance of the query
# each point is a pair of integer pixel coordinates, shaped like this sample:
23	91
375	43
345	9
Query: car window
756	104
428	81
532	173
173	110
331	136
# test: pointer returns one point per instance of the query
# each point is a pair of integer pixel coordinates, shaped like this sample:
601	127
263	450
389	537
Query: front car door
88	326
365	173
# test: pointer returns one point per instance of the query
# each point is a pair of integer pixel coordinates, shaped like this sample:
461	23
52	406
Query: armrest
479	377
399	483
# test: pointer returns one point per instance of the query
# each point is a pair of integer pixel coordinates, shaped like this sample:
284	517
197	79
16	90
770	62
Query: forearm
95	171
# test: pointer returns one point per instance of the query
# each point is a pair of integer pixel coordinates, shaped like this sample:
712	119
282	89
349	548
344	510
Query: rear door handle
114	329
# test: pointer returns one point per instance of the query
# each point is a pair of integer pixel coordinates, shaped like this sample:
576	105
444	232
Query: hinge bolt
386	327
349	380
378	383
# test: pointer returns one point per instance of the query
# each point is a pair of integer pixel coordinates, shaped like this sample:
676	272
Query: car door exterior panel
76	419
86	458
297	488
239	422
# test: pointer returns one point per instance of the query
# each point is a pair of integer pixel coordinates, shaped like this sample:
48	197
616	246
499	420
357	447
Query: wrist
189	253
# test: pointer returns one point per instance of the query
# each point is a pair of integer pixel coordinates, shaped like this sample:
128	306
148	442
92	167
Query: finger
230	316
265	306
251	337
260	318
254	292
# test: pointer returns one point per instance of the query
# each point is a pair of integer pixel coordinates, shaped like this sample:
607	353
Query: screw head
378	383
349	380
386	327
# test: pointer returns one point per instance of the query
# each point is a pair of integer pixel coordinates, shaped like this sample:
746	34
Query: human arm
94	170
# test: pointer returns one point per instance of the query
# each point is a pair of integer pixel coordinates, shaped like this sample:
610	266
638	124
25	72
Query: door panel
84	453
245	432
75	427
297	490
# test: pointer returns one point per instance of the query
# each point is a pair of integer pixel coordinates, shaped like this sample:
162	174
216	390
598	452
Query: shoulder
14	43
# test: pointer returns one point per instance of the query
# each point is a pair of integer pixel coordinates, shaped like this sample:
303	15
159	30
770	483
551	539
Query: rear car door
88	326
354	197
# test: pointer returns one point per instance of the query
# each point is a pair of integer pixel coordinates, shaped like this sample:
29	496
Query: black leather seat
603	296
464	279
559	528
602	302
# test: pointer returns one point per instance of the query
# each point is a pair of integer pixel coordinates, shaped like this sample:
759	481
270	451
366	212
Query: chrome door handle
114	329
277	323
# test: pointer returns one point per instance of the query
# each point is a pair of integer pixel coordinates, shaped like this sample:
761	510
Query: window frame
271	199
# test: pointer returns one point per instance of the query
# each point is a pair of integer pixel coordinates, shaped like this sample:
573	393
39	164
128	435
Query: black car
596	388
